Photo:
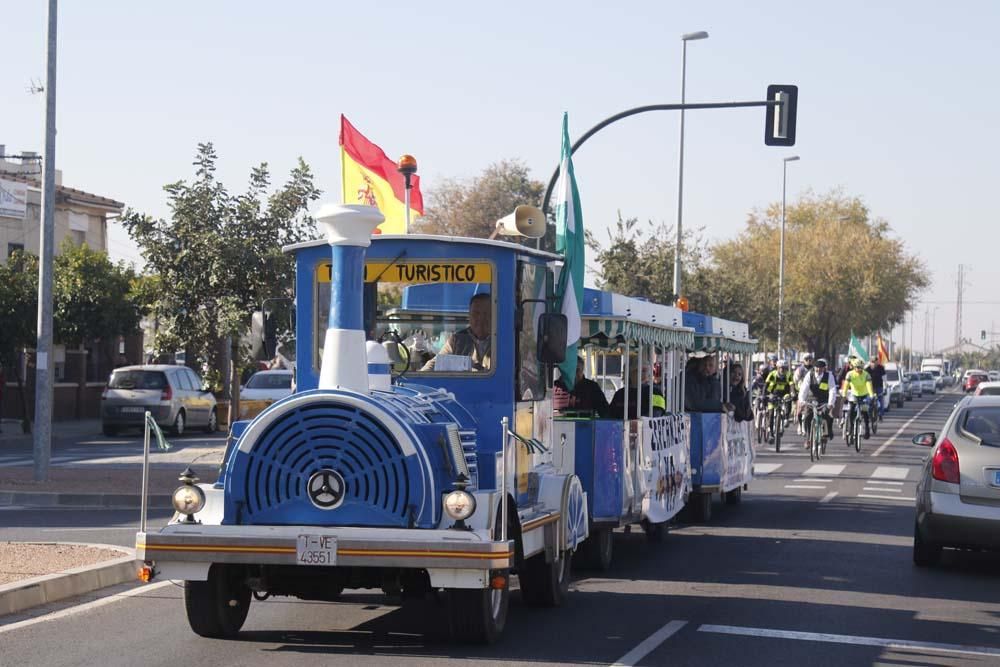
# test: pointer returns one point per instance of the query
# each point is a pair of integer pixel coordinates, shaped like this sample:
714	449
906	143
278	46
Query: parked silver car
958	495
174	395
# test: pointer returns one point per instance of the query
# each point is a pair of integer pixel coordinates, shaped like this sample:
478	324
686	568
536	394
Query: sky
897	105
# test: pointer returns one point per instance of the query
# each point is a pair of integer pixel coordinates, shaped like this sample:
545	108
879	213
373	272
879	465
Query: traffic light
779	119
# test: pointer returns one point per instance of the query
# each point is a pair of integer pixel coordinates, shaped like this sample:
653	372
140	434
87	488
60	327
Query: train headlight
459	505
189	499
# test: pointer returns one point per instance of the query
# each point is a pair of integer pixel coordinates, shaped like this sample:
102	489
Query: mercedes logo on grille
326	489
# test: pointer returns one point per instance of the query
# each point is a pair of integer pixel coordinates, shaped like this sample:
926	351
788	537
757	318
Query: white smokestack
348	231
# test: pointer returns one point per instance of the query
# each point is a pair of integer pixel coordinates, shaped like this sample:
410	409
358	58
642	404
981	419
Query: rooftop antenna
35	87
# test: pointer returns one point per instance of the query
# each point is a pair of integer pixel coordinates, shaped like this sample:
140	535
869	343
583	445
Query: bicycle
816	437
854	419
874	415
776	420
760	417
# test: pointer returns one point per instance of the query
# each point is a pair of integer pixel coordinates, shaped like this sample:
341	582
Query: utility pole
43	349
912	317
958	305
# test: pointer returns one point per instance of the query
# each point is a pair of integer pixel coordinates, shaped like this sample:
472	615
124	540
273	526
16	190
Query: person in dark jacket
586	394
702	391
637	395
739	397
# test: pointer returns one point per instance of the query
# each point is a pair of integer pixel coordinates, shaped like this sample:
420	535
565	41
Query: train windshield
442	312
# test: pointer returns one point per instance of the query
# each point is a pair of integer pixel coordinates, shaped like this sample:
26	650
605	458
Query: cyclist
877	373
779	382
797	377
760	379
860	383
821	386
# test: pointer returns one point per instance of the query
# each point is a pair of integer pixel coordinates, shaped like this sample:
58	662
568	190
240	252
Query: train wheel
597	552
701	507
734	497
217	607
478	615
545	584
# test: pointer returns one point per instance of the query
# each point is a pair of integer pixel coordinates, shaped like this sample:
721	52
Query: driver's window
439	314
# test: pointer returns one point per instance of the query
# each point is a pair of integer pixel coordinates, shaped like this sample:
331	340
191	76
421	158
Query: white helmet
782	363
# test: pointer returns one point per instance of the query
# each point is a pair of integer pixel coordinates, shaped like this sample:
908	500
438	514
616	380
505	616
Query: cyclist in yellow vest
859	382
779	382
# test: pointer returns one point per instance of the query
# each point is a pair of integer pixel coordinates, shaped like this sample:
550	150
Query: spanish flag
369	177
883	353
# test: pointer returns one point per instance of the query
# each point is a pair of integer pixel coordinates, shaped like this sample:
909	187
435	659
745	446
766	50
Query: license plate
132	410
316	550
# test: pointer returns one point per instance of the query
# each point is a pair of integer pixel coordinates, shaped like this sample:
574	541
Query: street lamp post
407	166
781	248
934	330
685	38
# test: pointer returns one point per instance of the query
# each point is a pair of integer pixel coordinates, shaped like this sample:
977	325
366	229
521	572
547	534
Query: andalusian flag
857	349
569	242
883	353
371	178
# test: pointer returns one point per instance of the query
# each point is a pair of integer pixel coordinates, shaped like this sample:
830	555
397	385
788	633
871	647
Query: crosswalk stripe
825	469
881	489
885	482
804	486
877	497
765	468
890	472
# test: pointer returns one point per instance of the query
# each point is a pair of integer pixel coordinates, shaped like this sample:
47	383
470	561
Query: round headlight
189	499
459	505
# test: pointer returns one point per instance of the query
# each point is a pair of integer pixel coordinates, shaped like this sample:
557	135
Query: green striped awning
610	332
723	344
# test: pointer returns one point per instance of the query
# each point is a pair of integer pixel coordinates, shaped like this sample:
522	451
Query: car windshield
984	423
270	381
138	380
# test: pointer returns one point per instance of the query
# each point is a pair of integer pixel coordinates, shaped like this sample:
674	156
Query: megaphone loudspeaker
524	221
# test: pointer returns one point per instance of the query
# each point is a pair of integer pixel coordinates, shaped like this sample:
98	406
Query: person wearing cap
818	385
860	383
586	394
779	383
797	377
876	371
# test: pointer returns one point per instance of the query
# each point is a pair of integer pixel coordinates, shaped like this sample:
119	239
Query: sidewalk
12	435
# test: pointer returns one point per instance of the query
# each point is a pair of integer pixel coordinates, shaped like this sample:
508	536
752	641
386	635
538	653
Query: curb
41	590
82	500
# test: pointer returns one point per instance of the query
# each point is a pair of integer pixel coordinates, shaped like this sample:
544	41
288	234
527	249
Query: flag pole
407	166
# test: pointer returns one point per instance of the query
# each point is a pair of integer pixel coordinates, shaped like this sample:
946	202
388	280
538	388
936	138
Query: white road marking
765	468
828	497
12	463
882	489
865	495
890	472
903	644
903	428
884	482
803	486
87	606
649	644
813	479
823	470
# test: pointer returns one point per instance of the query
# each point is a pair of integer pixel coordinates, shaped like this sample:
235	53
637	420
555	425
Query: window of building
79	237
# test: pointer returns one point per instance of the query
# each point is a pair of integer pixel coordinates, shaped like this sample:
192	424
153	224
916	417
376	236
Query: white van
894	389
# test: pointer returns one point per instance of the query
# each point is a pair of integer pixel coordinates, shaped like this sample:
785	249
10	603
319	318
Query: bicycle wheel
857	433
776	426
873	418
817	437
812	445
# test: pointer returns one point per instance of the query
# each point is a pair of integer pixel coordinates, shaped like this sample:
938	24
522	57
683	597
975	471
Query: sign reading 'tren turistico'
419	272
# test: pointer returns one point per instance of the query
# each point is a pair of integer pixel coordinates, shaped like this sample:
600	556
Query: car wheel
213	422
178	426
925	552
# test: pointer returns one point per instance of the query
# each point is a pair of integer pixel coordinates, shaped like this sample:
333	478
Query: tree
219	255
456	208
18	317
92	297
640	261
844	272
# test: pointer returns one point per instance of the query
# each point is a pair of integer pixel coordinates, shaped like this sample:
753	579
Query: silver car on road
174	395
958	495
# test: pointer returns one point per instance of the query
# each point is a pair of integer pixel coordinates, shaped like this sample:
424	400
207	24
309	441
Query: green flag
857	349
569	242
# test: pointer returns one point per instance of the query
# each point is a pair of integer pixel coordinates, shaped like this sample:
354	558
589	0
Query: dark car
958	495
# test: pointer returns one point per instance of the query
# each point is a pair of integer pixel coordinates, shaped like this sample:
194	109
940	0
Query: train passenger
617	408
739	397
586	394
702	391
474	340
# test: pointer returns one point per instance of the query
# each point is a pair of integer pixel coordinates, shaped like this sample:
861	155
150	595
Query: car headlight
459	505
189	499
